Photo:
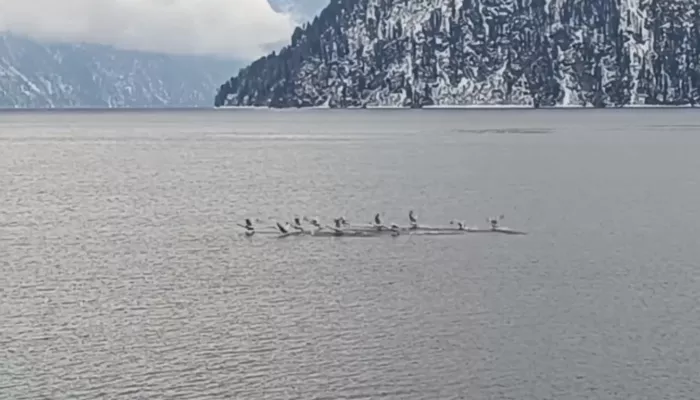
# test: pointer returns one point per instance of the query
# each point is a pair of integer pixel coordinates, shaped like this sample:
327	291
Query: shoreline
368	108
464	107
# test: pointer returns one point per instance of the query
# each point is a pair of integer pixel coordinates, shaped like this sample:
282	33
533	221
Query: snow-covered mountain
477	52
34	74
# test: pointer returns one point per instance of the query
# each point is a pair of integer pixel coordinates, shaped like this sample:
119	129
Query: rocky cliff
414	53
39	75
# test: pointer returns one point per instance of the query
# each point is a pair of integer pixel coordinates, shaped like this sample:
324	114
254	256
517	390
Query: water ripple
123	275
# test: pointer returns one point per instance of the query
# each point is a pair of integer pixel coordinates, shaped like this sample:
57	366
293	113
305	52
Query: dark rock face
411	53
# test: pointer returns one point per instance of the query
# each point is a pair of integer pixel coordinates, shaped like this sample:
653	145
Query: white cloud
240	28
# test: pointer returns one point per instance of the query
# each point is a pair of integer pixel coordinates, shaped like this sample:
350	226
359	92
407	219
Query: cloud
235	28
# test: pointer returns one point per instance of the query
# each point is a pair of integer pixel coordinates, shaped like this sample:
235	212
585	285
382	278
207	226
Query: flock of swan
341	227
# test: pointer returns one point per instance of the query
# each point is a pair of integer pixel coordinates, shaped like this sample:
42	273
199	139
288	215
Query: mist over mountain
301	10
36	74
409	53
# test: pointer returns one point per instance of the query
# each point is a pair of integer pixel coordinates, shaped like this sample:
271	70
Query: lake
124	274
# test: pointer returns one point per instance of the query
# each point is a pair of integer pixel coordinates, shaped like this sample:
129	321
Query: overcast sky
240	28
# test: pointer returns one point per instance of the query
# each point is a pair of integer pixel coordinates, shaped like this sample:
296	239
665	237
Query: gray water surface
123	274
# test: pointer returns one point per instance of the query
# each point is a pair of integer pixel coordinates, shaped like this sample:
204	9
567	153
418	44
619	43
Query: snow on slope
482	52
34	75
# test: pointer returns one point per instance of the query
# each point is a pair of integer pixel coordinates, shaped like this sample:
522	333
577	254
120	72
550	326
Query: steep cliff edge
476	52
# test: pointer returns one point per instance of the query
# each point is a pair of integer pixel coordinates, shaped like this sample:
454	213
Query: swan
413	219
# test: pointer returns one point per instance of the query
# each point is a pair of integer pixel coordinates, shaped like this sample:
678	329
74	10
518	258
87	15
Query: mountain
415	53
34	74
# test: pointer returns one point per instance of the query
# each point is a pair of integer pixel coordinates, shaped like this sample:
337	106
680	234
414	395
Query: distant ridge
40	75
